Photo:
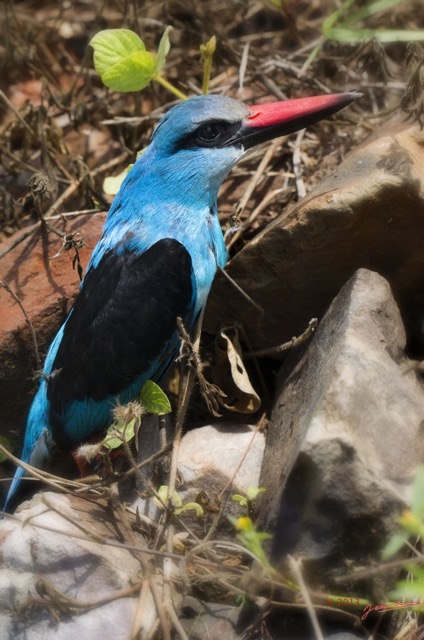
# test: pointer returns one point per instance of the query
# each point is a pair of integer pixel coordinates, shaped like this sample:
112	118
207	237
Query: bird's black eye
209	132
210	135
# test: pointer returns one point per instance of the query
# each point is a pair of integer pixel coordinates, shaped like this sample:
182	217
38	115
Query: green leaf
162	498
119	432
132	73
254	492
395	543
154	400
190	506
113	45
240	499
112	184
369	10
407	590
334	17
411	589
382	35
164	47
121	60
416	571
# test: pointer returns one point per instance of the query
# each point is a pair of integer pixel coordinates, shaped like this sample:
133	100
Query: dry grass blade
28	321
296	569
253	184
55	482
275	352
297	170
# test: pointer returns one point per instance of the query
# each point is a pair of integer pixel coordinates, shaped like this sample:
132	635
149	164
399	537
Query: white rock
214	455
40	549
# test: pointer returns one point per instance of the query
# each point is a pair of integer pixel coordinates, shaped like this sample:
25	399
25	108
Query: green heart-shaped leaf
113	45
154	400
132	73
121	60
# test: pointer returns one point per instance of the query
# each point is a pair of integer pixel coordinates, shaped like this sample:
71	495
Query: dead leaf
230	375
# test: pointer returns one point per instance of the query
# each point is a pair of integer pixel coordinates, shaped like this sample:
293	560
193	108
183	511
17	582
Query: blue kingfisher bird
155	262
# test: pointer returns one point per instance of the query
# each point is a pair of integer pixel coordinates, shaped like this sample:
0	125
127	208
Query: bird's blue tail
37	444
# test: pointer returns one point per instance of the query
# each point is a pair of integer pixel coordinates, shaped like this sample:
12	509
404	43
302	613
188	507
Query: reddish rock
46	286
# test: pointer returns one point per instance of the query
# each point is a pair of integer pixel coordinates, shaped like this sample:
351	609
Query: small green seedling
120	432
176	503
249	500
252	539
207	50
122	62
152	400
411	522
343	25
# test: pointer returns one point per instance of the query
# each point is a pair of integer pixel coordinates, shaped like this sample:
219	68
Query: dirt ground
63	132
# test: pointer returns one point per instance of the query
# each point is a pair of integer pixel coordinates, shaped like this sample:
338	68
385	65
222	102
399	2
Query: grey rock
213	456
209	620
369	213
45	556
292	627
344	635
41	561
345	436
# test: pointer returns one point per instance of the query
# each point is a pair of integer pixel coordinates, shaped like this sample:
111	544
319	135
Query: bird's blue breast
158	200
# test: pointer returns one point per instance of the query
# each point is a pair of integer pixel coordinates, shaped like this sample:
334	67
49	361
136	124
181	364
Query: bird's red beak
273	119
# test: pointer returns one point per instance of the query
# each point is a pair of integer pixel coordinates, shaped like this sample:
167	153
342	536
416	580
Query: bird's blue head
196	133
202	138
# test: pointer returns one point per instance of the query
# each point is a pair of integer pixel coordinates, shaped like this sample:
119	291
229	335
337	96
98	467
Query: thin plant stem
207	50
171	88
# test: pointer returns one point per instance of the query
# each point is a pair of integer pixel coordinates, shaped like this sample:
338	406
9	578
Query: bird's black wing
123	323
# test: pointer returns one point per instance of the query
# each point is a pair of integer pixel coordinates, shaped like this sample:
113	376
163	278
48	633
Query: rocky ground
320	436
